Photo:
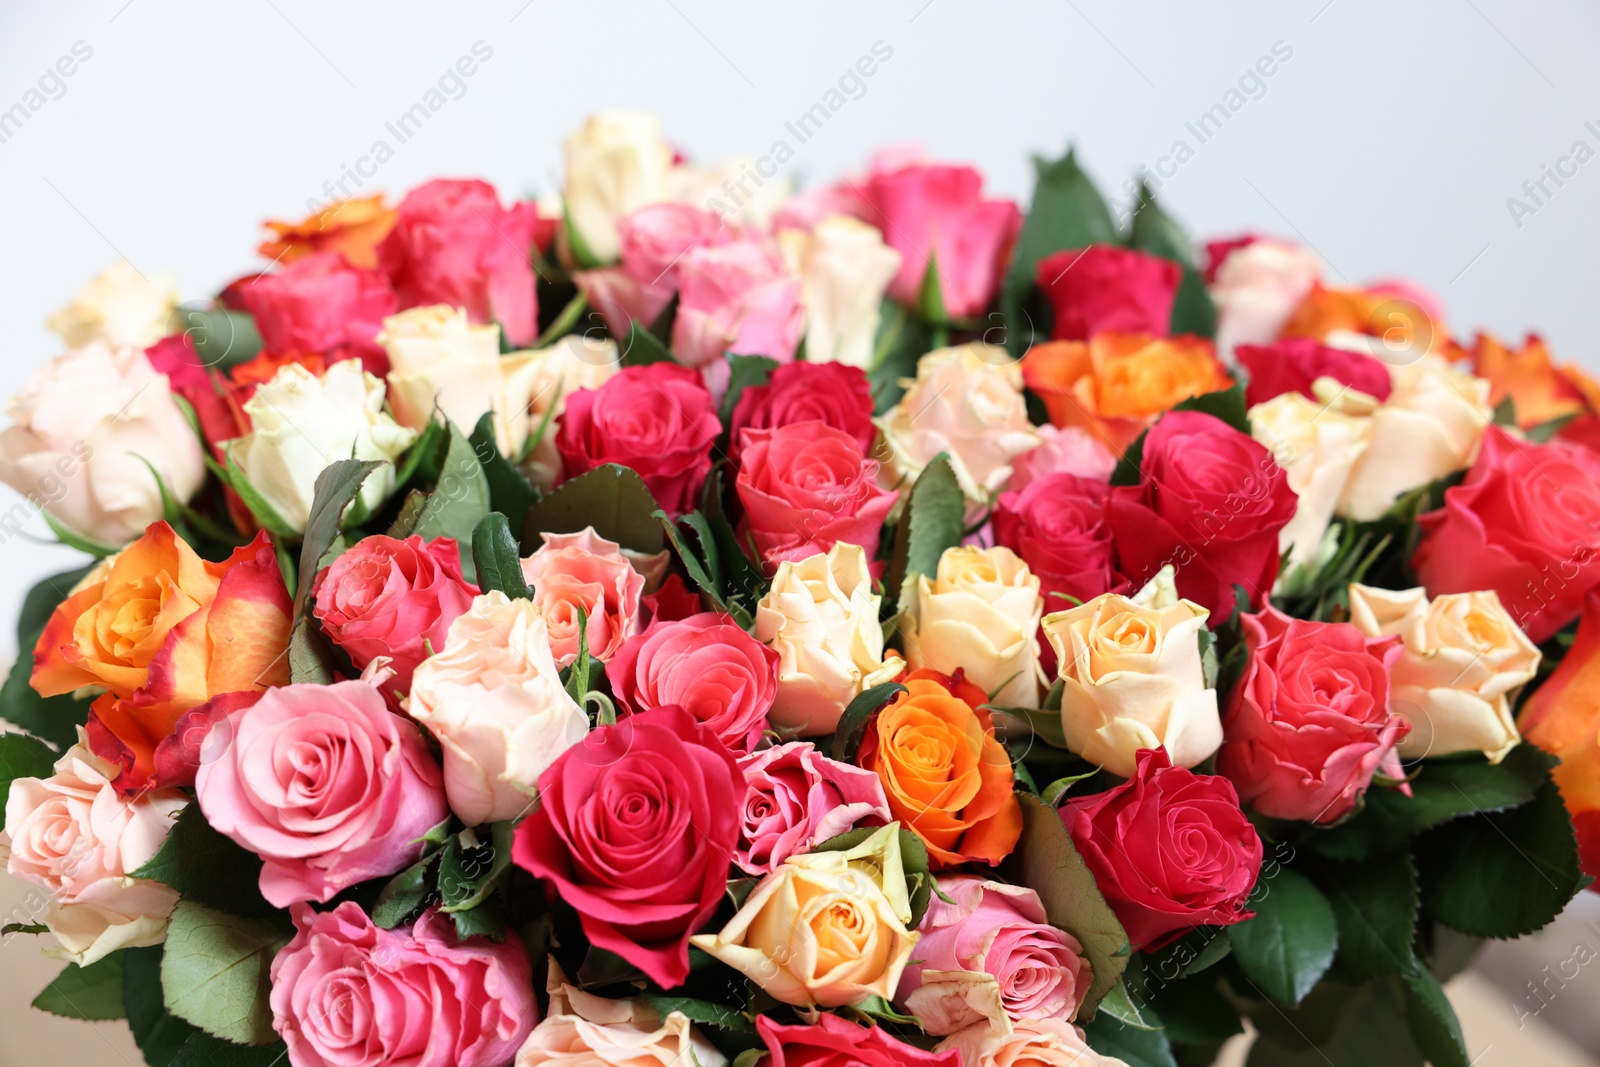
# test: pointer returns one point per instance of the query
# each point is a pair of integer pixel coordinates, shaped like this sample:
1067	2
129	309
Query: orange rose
1116	385
1400	328
163	631
353	227
1538	389
945	775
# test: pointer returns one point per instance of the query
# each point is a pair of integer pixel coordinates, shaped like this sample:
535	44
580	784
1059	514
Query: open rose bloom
681	622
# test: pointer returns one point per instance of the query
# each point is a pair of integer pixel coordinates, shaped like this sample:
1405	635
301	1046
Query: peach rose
979	614
581	1030
353	228
1036	1043
617	163
120	308
1257	288
584	570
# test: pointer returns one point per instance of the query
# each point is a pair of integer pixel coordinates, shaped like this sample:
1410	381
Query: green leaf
1505	412
158	1034
743	372
643	348
214	972
459	501
259	506
92	992
468	876
613	499
562	324
705	574
1045	724
22	756
1336	1027
933	519
1154	232
208	868
1434	1026
203	1050
425	458
335	487
405	894
498	558
221	338
510	492
1195	1012
578	670
704	1012
901	341
1109	1036
1225	404
853	722
1290	943
930	295
311	657
1375	907
582	255
54	719
743	577
1121	1007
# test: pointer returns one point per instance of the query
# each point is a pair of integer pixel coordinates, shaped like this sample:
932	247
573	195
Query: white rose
121	307
844	269
735	190
979	614
576	361
1257	289
617	163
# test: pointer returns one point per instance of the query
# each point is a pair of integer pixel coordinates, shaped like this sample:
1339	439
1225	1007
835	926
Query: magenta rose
1210	501
1063	450
635	829
383	597
1309	722
1058	526
325	784
835	1042
795	798
938	210
653	241
657	419
321	304
1170	850
800	392
1105	289
991	934
453	243
736	297
348	994
1217	251
1292	365
706	664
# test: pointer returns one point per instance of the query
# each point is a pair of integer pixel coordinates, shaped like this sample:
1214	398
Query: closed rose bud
979	614
1256	287
844	267
120	308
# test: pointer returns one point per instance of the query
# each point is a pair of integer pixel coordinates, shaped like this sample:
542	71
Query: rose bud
1106	289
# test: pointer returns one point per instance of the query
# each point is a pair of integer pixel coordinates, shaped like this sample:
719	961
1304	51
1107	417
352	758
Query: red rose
657	419
1290	366
384	597
453	243
799	392
836	1042
1309	722
1170	850
807	486
1525	523
1210	501
1057	524
706	664
1104	289
636	828
320	303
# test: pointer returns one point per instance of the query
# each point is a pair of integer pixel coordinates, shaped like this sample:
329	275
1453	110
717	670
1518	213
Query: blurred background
1436	140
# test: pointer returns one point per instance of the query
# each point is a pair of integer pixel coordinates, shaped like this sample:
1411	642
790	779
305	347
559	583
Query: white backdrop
1390	139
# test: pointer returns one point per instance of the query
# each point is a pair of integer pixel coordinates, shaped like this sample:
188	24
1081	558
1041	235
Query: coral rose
584	571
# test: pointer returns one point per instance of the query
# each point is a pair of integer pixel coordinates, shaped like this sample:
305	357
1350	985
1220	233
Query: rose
1310	721
945	774
94	429
824	929
966	402
576	361
1069	450
1057	525
493	699
302	424
1395	321
836	1042
1293	365
706	664
1038	1043
1210	502
320	303
583	571
709	184
453	243
1317	444
658	419
844	267
74	835
1560	716
120	308
653	240
325	784
1463	661
832	393
353	228
1133	679
163	631
1539	391
821	617
617	163
345	993
807	486
1521	524
736	297
1170	850
1116	385
439	360
582	1030
989	956
1105	289
383	597
936	213
978	614
634	829
796	798
1257	287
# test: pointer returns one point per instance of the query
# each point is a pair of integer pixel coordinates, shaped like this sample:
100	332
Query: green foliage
208	868
498	558
159	1034
510	492
1288	946
92	992
214	972
902	339
1375	906
857	714
1155	232
642	348
932	519
459	501
22	756
203	1050
221	338
54	719
613	499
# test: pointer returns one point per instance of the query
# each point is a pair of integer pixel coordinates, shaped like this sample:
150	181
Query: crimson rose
1105	289
800	392
835	1042
1291	365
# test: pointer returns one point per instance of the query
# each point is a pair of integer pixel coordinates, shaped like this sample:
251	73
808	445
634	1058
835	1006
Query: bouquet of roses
690	622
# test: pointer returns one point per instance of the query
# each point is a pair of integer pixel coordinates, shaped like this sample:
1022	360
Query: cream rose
1257	289
1035	1043
617	163
824	929
1133	679
1463	661
754	204
844	269
301	424
120	307
576	361
979	614
494	700
821	618
73	835
438	358
90	426
581	1030
966	401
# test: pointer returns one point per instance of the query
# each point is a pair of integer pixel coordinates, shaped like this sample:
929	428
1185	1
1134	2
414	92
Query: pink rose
796	798
706	664
837	394
348	994
584	570
990	951
321	304
1068	450
654	240
1105	289
325	784
736	297
1057	524
383	597
453	243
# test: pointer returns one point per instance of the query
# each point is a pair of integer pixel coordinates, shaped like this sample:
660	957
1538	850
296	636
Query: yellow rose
979	614
581	1030
844	268
120	307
